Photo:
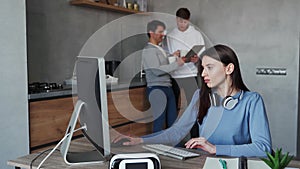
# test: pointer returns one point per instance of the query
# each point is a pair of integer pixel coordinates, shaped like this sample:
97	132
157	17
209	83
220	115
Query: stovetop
43	87
42	90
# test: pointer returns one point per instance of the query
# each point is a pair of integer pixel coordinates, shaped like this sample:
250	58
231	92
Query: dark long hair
225	55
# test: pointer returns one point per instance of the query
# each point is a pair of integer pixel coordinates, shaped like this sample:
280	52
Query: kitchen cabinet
137	99
49	118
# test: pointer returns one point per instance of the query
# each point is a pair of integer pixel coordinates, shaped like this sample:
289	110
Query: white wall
14	135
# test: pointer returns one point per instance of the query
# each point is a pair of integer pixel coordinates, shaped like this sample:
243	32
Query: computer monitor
91	111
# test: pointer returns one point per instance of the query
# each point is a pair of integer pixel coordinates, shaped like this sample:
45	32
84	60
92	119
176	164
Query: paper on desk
252	164
213	163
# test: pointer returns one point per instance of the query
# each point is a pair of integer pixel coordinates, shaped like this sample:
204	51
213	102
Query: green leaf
283	160
277	154
272	159
281	155
288	160
276	166
278	160
269	163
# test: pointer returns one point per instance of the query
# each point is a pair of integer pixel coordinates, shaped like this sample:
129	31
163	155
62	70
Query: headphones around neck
228	102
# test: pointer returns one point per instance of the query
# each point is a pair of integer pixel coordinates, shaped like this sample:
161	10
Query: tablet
194	51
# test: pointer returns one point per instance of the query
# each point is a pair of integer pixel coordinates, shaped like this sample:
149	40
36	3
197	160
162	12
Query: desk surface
55	161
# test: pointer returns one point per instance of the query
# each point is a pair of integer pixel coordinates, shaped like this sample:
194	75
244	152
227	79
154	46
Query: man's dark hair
152	26
183	13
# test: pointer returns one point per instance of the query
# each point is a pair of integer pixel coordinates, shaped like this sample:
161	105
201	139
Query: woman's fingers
202	143
194	142
119	137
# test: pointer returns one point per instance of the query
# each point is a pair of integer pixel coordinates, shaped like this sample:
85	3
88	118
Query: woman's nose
203	73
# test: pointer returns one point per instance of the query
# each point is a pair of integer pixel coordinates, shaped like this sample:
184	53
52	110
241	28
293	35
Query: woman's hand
202	143
131	140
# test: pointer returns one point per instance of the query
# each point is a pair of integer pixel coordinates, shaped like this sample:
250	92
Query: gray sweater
156	65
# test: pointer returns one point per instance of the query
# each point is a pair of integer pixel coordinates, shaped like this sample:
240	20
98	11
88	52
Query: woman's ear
229	68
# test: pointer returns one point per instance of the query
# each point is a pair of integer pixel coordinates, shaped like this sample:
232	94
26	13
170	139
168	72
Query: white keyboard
170	151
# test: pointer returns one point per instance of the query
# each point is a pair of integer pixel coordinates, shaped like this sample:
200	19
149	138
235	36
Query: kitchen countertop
67	89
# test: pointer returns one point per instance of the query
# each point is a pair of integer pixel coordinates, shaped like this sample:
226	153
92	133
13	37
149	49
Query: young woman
232	120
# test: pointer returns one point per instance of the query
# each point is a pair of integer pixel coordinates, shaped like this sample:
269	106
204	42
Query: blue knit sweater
242	131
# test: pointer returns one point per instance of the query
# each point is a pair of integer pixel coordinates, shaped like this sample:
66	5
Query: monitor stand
71	158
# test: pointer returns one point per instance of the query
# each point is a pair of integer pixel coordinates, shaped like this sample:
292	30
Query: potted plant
277	160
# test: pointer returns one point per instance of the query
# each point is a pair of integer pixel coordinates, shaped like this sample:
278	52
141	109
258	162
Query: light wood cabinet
122	110
49	118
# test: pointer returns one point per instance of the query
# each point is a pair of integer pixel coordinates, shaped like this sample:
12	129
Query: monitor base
72	158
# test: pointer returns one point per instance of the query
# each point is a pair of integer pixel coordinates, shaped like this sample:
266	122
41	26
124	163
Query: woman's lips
206	80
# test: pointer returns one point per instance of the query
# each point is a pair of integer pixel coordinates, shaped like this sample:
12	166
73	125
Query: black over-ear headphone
228	102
